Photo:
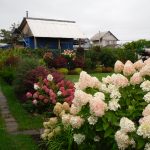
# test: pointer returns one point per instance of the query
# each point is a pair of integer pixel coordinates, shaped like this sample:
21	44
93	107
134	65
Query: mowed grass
15	142
75	78
23	118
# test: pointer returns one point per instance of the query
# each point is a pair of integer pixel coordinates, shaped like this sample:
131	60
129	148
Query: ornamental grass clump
110	114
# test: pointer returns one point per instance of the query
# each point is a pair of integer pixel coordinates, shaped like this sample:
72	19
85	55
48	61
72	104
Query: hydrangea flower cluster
69	54
98	108
121	136
47	92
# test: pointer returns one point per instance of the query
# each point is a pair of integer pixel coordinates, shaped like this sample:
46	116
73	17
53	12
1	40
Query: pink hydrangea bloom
119	80
66	119
145	119
147	62
146	111
74	110
107	80
128	69
136	78
29	95
97	107
81	98
118	67
85	80
138	64
76	121
34	102
145	70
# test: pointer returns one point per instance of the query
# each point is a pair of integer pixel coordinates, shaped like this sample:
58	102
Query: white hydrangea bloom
115	94
113	104
147	146
103	88
145	86
49	77
36	87
107	80
100	94
92	120
44	136
59	93
81	98
127	125
147	97
144	130
79	138
123	140
112	88
97	138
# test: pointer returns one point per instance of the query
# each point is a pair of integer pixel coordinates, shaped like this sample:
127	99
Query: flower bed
111	114
48	92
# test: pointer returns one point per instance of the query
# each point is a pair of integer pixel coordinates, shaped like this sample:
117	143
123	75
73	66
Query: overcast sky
126	19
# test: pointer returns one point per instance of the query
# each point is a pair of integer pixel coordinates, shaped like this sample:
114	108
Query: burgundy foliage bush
11	61
57	76
33	76
79	62
60	62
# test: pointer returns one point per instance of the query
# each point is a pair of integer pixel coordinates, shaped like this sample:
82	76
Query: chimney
26	14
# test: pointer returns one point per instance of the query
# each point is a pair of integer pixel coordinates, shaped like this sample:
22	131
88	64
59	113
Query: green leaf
140	143
108	132
105	126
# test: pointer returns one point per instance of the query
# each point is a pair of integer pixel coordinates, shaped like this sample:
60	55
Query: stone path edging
10	121
11	124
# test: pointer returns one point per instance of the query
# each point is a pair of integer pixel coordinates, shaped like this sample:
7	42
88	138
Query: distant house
104	39
49	33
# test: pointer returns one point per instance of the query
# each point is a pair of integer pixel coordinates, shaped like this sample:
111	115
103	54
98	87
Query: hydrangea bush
110	114
48	92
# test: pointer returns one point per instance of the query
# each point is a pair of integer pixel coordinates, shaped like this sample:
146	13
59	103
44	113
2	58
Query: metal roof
52	28
100	35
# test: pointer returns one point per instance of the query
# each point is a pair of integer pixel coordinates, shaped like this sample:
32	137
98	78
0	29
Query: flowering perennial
114	112
47	93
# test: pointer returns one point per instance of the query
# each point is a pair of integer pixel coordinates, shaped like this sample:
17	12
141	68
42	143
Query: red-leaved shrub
11	61
33	76
78	62
60	62
48	92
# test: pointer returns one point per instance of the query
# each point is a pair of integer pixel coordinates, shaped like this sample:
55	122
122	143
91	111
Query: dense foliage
48	92
111	114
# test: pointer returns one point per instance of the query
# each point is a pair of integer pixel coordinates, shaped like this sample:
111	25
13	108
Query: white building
104	39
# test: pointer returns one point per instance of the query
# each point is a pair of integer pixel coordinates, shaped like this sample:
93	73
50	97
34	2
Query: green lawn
74	78
15	142
24	119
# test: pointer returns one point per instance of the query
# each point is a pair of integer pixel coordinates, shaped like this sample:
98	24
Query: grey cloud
127	19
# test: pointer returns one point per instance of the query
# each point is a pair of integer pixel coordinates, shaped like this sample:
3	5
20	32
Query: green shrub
26	65
108	57
8	73
63	71
98	69
77	70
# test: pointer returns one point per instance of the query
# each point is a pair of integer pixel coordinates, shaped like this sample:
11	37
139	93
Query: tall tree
5	35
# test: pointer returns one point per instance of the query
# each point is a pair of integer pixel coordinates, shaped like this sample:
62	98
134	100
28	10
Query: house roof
100	35
52	28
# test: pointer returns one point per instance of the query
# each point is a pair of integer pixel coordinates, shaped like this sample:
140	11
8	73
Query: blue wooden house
49	33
